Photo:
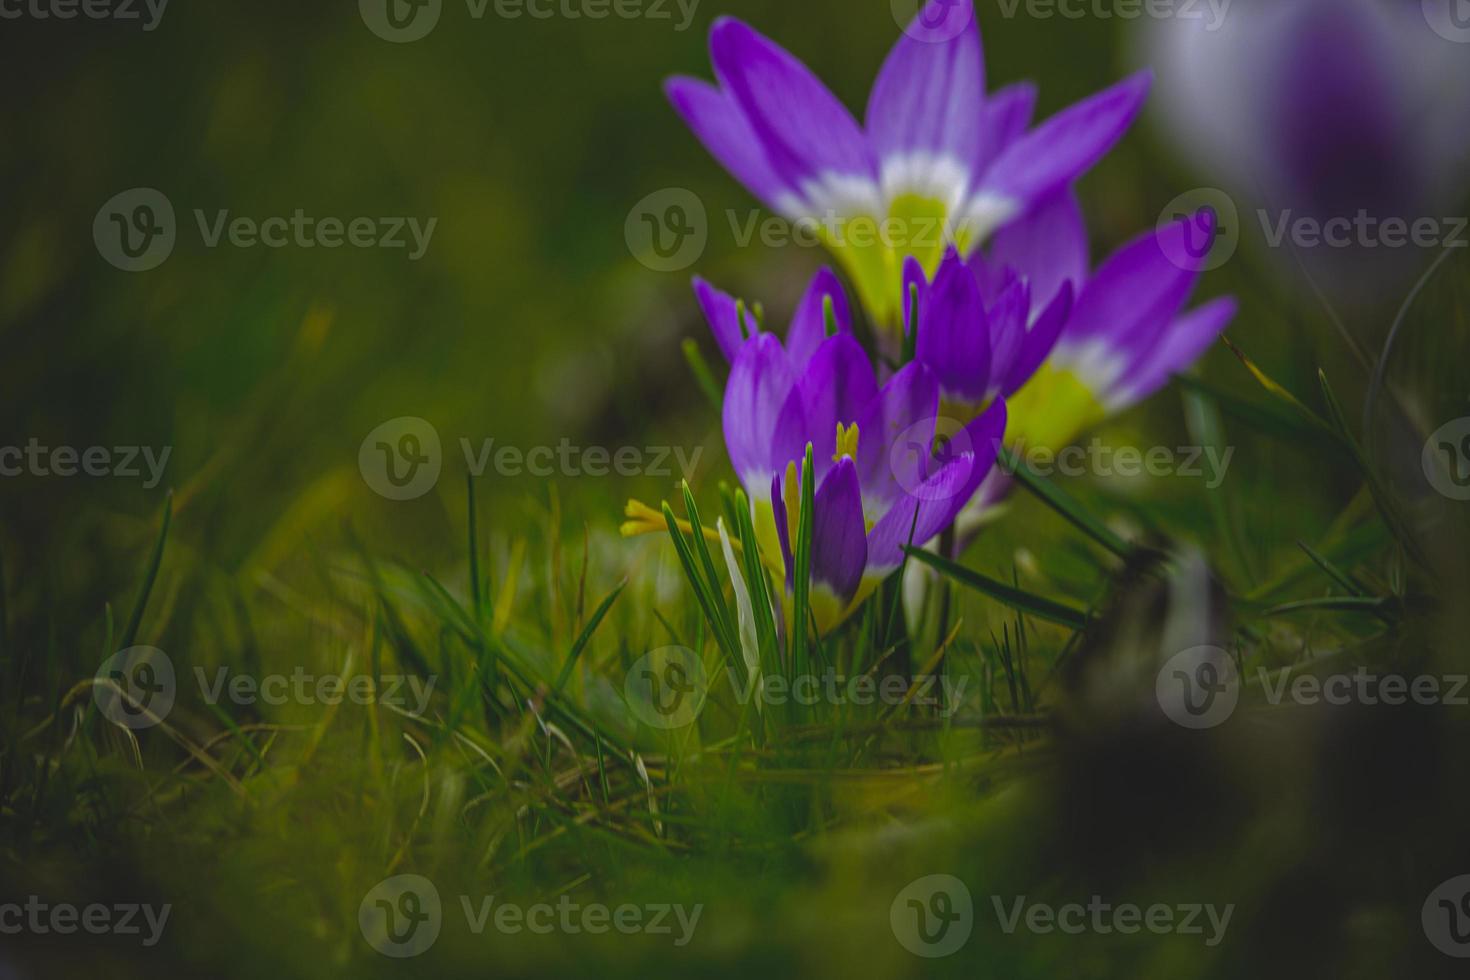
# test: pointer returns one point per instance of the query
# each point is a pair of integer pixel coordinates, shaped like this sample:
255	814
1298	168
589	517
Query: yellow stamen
643	519
847	442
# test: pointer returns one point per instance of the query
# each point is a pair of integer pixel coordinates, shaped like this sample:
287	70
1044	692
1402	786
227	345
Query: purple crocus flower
1065	365
878	482
937	162
1320	110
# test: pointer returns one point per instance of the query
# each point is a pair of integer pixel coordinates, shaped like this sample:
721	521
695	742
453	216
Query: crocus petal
761	383
723	315
1008	321
783	528
811	140
913	279
992	278
1048	246
942	496
839	536
1180	346
1004	117
1138	289
896	437
954	334
836	385
1055	153
720	124
1041	339
809	326
924	113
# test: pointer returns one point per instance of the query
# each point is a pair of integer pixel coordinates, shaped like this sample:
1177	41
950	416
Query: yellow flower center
847	442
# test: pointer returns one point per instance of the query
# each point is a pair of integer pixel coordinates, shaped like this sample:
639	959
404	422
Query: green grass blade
586	634
135	621
1049	494
1337	575
801	603
703	376
1054	612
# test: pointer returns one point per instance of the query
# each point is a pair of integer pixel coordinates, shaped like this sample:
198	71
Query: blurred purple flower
1324	109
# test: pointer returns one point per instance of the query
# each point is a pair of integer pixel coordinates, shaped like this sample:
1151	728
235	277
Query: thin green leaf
703	376
586	634
1049	494
1054	612
135	621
